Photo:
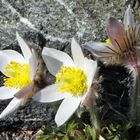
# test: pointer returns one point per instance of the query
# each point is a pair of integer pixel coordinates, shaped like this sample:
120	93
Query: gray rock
58	20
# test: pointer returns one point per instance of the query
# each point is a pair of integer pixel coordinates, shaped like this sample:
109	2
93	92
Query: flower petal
138	56
33	64
130	26
26	92
50	94
7	92
99	49
54	59
12	106
117	35
78	56
129	21
6	56
67	109
137	32
24	47
90	70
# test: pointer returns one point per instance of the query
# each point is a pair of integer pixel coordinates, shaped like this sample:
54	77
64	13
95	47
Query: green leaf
90	132
65	137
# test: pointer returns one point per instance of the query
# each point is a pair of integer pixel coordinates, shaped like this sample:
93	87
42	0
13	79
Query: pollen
18	75
71	80
108	41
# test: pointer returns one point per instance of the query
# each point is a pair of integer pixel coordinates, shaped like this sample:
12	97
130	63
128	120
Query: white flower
19	71
73	80
123	43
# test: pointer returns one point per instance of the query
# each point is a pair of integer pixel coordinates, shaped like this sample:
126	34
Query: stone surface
58	20
52	23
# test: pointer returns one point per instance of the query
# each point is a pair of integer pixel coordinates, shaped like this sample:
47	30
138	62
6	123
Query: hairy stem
134	102
95	122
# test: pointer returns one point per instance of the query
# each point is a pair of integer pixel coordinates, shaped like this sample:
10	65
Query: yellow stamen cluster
72	80
18	75
108	41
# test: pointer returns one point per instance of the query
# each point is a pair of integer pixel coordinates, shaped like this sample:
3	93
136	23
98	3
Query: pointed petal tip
128	11
18	37
24	47
129	7
95	63
58	124
77	54
129	20
112	20
73	40
12	107
3	116
111	23
66	110
17	34
54	59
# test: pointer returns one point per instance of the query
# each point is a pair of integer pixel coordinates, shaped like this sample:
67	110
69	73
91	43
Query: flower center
108	41
72	80
19	75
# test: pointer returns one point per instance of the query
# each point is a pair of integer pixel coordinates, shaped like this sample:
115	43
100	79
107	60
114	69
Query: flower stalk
134	112
90	103
95	122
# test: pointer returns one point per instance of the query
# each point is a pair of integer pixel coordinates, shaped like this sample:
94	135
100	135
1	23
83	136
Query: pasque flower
122	45
73	80
19	73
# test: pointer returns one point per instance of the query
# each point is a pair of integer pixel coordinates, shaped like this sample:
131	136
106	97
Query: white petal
12	106
101	138
6	56
33	64
7	92
129	19
67	109
90	70
27	22
54	59
78	56
50	94
99	49
24	47
138	56
137	32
